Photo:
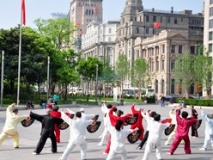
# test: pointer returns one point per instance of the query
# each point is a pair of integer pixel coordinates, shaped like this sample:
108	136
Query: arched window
156	86
162	86
157	64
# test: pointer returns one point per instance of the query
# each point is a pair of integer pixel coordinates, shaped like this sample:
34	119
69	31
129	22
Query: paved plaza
29	138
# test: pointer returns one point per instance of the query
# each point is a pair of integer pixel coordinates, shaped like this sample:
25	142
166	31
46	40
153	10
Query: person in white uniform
77	134
118	137
208	130
155	133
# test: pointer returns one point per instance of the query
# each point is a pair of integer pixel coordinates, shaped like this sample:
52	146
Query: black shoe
16	147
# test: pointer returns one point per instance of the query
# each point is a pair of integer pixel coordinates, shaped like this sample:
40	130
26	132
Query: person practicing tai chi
194	115
48	122
77	133
155	133
55	113
10	127
146	135
208	130
118	137
173	117
183	126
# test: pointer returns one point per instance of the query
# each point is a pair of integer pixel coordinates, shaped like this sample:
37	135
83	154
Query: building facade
137	22
82	12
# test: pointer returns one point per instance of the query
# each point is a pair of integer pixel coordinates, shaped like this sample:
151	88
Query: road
29	137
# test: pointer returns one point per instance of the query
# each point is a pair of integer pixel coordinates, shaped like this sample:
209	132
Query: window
154	18
211	11
211	23
210	47
137	30
157	64
175	21
156	86
162	86
173	49
172	64
162	64
210	36
172	86
168	19
147	30
109	39
110	30
147	18
161	19
180	49
211	1
163	48
192	49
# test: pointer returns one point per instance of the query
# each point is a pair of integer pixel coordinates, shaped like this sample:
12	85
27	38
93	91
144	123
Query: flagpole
19	58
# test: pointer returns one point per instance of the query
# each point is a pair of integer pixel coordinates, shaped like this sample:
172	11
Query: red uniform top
183	124
139	123
55	114
114	118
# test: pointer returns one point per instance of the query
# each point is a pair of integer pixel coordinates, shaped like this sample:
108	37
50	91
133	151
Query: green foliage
196	102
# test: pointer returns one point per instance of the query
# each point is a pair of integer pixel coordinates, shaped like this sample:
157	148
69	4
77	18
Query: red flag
157	25
23	12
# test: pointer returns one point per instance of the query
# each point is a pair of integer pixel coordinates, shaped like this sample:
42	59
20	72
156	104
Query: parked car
171	98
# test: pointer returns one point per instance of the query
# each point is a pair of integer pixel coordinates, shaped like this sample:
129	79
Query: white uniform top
147	117
208	122
77	127
173	117
12	120
155	129
105	110
118	138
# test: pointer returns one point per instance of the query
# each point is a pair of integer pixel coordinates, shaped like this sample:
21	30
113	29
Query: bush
196	102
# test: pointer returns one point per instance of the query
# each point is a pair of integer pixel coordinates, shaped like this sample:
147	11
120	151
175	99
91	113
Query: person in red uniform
139	123
182	132
56	114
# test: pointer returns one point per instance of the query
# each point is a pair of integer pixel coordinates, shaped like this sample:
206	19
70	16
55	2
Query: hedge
196	102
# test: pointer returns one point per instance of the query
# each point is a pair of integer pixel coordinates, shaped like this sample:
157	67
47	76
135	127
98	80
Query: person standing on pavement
182	132
77	134
194	115
48	122
155	134
55	99
10	127
163	99
208	130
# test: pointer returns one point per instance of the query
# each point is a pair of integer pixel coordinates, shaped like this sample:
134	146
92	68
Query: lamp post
48	76
96	88
2	78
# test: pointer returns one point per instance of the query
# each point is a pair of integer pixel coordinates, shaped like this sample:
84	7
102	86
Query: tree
57	32
32	60
121	70
68	72
184	71
87	69
140	73
203	75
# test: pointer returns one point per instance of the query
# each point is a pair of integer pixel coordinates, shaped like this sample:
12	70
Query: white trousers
207	139
113	153
71	145
148	149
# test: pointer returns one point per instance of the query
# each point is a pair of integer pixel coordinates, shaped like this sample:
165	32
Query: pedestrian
10	126
55	113
77	134
47	130
155	134
163	99
118	137
183	126
194	115
55	99
208	130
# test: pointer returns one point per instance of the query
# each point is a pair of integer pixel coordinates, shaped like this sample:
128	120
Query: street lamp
48	76
96	88
2	78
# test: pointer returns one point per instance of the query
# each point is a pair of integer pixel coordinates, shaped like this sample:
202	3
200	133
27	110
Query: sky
10	9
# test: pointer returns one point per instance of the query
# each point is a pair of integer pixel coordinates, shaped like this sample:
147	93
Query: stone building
135	21
82	12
